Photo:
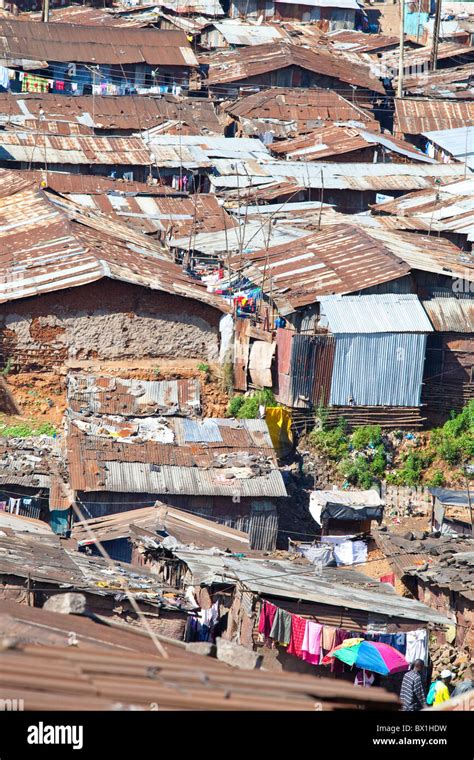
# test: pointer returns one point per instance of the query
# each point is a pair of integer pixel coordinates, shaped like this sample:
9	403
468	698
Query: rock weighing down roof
158	455
51	245
91	394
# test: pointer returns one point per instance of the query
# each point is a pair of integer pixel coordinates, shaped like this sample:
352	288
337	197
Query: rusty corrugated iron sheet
414	116
125	112
50	245
199	458
448	313
239	65
344	258
84	150
336	259
179	216
94	44
308	108
133	398
283	349
88	184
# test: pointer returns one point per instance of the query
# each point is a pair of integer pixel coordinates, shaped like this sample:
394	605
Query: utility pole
45	11
402	50
435	43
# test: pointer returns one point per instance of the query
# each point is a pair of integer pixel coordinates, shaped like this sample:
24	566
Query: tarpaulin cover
278	420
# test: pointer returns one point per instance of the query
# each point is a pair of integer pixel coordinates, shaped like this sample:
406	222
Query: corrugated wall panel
383	369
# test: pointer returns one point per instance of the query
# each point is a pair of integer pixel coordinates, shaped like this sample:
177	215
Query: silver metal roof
285	579
459	142
137	477
384	313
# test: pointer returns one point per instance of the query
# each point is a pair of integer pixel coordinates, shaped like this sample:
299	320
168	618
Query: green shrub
247	407
234	405
454	442
333	443
357	472
437	480
202	367
365	435
26	429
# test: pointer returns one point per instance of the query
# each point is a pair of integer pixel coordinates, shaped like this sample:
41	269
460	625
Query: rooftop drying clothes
281	628
417	646
311	646
298	626
267	615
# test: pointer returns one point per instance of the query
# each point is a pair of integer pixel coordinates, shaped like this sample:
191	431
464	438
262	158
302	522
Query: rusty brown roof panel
344	258
414	116
135	398
93	44
308	108
48	245
75	678
337	259
239	65
88	184
125	112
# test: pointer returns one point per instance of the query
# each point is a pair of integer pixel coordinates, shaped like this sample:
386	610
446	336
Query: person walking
439	689
412	692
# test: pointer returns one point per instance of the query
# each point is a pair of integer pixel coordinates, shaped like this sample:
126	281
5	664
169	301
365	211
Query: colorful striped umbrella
368	655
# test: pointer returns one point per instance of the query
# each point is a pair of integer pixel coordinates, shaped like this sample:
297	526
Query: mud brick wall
106	320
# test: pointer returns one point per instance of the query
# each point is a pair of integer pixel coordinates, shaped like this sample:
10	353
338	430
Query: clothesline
310	641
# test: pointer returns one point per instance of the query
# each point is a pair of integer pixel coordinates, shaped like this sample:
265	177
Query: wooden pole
435	42
45	11
402	50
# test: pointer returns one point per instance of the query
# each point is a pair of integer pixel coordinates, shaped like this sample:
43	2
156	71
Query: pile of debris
451	658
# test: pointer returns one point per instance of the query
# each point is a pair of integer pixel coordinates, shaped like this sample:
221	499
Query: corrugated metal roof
339	139
34	148
337	259
149	213
48	246
459	142
248	237
224	457
307	108
236	32
187	528
360	176
132	398
284	579
388	312
93	44
237	66
124	112
133	477
414	116
450	314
